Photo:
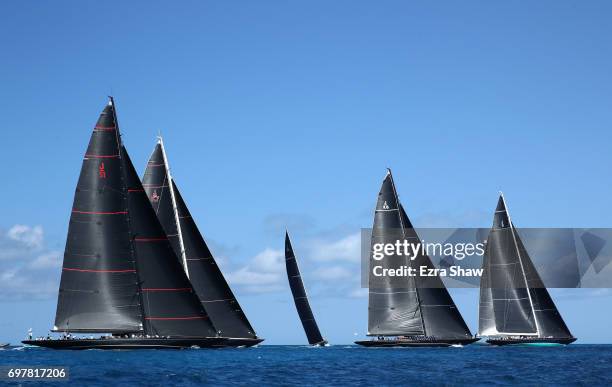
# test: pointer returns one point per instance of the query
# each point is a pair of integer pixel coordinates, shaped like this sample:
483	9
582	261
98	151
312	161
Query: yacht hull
535	341
143	343
415	343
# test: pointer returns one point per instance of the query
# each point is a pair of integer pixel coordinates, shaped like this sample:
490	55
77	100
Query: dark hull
415	343
533	341
143	343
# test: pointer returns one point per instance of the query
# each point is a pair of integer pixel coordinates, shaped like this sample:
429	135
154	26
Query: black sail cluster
120	273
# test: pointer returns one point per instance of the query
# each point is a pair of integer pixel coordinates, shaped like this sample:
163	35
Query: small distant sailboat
420	313
300	298
515	307
193	253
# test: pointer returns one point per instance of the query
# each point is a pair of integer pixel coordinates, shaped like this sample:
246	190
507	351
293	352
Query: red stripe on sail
99	271
136	190
166	289
99	213
101	156
105	128
177	318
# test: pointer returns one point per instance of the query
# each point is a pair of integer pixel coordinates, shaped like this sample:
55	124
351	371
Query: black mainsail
120	274
515	306
300	298
99	286
417	309
187	241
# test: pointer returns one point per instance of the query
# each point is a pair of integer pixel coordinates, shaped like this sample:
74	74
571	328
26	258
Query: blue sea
338	365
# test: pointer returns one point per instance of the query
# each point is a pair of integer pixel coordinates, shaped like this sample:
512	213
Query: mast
174	208
506	305
513	231
127	191
403	222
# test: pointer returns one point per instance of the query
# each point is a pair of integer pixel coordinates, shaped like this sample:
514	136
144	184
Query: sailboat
300	298
413	311
515	307
193	254
120	276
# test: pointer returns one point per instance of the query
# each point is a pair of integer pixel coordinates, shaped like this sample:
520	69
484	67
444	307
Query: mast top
504	206
111	101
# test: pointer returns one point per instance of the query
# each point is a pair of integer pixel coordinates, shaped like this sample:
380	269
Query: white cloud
345	249
263	273
31	237
249	276
50	260
270	261
28	269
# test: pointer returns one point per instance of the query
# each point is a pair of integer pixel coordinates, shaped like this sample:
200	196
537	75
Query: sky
285	115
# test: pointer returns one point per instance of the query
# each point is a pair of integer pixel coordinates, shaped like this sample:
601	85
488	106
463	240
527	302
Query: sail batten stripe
99	271
157	239
87	156
178	318
166	289
99	212
223	300
154	186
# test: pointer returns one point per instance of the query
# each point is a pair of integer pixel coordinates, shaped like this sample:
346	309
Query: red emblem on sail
102	171
155	196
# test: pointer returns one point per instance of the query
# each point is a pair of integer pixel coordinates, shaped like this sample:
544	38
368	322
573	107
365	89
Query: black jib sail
441	318
120	274
170	304
99	285
300	298
407	306
513	299
211	287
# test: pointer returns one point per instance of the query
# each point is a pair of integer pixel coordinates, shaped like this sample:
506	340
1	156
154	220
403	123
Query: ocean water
337	365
